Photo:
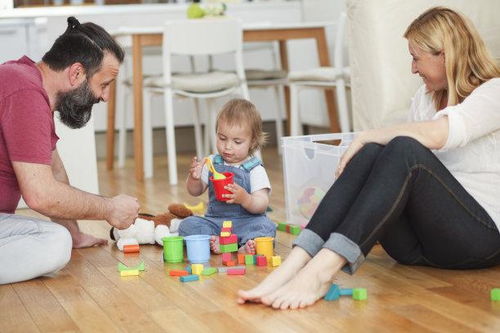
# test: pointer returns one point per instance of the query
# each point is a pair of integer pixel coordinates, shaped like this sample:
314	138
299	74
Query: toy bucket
173	249
220	183
198	248
264	246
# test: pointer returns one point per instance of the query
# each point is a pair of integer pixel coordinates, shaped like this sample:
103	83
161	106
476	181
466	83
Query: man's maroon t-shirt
27	131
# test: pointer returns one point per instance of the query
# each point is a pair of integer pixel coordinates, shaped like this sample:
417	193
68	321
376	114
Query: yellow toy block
132	272
275	261
227	224
225	234
196	269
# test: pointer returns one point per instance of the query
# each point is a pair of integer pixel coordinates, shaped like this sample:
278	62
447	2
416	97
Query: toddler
239	136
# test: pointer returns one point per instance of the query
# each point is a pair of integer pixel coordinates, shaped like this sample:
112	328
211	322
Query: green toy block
228	248
209	271
359	294
495	294
282	226
295	229
249	259
123	267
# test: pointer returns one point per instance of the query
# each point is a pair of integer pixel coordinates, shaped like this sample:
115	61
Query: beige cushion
323	74
198	82
263	74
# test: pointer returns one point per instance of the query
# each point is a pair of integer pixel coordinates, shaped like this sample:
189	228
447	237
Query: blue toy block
335	292
188	269
189	278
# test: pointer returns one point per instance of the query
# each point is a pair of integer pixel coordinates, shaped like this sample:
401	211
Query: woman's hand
352	150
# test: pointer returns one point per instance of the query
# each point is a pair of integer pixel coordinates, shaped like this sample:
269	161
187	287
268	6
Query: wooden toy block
209	271
177	272
227	224
131	248
189	278
225	234
196	269
233	238
236	271
495	294
230	263
261	261
228	248
241	258
295	229
132	272
275	261
282	226
249	259
122	267
226	256
226	230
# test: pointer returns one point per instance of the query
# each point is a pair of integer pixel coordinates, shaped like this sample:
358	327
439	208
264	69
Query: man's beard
75	106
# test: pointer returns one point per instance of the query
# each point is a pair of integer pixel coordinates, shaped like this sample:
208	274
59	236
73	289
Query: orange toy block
131	248
178	272
230	263
241	258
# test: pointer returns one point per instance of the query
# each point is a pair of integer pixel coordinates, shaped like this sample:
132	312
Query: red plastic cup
220	183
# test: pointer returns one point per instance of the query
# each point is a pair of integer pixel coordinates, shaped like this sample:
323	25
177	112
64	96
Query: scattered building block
178	272
132	272
359	294
123	267
261	261
226	256
189	278
236	271
295	229
131	248
188	269
209	271
249	259
334	293
282	226
230	263
495	294
196	269
241	258
228	248
233	238
275	261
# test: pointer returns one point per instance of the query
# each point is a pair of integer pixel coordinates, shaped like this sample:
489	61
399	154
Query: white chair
323	78
190	38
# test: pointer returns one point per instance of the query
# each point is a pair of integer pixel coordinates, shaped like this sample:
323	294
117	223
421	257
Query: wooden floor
90	296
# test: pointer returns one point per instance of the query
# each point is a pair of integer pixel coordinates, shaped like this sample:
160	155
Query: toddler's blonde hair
240	112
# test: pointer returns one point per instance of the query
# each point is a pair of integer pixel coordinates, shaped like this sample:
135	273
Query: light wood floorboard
89	295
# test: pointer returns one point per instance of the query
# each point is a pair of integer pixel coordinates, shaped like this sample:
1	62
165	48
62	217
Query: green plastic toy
123	267
194	11
334	293
495	294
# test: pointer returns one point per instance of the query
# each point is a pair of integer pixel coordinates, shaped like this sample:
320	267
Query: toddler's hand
195	170
239	194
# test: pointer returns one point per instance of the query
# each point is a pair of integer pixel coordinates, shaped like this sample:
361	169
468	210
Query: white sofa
381	82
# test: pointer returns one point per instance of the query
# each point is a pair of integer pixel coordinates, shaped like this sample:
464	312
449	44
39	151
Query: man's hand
82	240
239	194
124	211
195	169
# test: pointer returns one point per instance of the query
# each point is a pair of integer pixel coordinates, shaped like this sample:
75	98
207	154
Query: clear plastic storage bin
309	164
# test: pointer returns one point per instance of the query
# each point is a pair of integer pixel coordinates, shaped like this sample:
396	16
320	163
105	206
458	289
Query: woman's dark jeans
402	196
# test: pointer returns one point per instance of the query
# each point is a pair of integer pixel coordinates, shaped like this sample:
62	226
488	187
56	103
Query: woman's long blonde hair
468	62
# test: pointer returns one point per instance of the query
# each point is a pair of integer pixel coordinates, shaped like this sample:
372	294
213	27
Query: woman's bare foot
295	261
309	285
214	244
249	247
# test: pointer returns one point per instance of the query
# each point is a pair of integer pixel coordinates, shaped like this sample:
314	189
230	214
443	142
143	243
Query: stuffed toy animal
148	229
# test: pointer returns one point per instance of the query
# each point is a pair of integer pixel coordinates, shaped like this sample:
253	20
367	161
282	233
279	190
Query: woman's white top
472	150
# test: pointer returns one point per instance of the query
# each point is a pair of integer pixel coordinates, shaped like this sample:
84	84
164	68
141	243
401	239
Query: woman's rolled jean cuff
346	248
309	241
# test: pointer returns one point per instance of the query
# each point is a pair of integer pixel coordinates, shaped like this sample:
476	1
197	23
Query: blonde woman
427	190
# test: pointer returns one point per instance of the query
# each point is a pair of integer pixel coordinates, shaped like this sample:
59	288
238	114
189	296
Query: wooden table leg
110	131
285	66
138	112
330	100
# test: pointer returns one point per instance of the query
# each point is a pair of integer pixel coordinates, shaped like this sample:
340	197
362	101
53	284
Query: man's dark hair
84	43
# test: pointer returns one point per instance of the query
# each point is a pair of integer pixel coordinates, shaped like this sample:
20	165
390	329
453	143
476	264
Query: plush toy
148	229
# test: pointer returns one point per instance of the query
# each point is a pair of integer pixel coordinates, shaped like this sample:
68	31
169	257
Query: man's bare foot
249	247
214	244
309	285
295	261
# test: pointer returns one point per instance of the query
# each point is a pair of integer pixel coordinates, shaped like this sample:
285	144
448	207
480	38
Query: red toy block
225	230
288	228
261	261
230	263
236	271
228	240
226	257
241	258
178	272
131	248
